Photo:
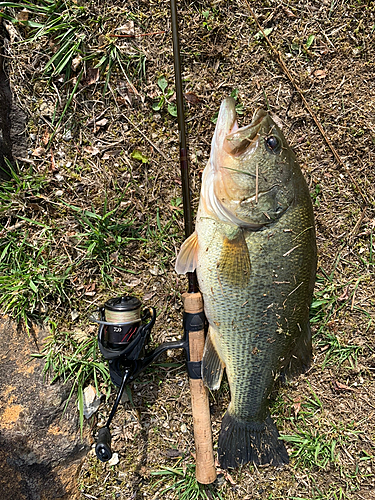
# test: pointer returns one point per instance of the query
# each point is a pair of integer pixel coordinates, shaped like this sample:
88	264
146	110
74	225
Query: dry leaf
92	76
39	151
320	73
345	295
288	12
338	386
76	62
45	137
102	123
297	406
192	98
91	150
127	28
148	296
23	15
90	290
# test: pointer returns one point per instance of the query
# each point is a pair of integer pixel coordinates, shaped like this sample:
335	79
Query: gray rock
40	445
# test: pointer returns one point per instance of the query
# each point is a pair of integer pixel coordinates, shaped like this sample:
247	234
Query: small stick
112	35
145	137
312	114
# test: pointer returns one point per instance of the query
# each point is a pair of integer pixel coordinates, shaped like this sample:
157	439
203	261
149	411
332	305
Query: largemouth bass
254	251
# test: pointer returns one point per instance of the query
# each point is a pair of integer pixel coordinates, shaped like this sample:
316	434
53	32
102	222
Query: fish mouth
239	140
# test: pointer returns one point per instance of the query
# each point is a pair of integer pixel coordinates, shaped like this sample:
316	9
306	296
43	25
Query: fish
254	252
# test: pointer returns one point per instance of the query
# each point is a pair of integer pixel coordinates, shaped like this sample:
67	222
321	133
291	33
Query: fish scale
254	252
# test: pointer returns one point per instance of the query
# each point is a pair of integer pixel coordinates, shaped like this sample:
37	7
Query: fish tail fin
241	442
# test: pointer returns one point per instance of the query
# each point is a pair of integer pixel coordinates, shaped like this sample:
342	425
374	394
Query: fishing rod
125	326
205	470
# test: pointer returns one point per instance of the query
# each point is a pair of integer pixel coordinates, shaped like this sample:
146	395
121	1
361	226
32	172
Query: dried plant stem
307	106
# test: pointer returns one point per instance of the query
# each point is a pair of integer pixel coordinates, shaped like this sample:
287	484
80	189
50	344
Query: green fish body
254	252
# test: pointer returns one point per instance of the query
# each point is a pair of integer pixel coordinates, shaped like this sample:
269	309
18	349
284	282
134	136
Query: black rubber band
194	369
194	322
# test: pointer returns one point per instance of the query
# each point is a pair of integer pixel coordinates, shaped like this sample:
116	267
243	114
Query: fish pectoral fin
187	258
212	365
234	265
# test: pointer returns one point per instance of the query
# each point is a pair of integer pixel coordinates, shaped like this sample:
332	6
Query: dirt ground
328	48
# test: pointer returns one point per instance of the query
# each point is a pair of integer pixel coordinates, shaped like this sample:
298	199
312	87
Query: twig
140	34
145	137
317	123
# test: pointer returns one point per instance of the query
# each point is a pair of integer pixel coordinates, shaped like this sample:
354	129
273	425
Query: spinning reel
124	332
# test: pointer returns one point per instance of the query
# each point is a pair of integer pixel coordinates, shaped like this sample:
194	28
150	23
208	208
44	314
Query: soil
328	48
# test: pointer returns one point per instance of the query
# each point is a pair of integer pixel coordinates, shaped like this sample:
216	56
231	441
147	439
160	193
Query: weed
158	235
133	64
336	352
184	484
312	447
104	236
167	93
315	442
63	22
76	362
315	195
72	35
31	274
329	299
29	277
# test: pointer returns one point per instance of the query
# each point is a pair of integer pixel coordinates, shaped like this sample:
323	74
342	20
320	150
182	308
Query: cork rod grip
205	470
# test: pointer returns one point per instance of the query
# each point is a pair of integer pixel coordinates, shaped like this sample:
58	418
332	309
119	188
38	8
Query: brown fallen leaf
23	15
90	290
39	151
45	137
91	150
92	76
192	98
345	295
102	123
338	386
297	405
320	73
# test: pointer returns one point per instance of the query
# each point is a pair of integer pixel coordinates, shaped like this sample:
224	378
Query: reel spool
122	316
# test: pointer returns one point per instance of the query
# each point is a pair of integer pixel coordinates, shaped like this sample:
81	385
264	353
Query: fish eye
273	144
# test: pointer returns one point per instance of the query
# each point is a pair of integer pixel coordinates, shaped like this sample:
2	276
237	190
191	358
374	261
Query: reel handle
103	446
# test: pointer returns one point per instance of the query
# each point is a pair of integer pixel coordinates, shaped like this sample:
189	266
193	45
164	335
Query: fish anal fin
187	258
234	265
212	365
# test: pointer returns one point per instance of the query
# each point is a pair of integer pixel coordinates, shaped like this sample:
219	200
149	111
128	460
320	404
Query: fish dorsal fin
234	265
212	365
187	257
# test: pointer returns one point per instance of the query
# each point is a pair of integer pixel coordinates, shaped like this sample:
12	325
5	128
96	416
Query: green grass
75	361
315	440
32	275
103	236
182	481
72	32
330	298
30	278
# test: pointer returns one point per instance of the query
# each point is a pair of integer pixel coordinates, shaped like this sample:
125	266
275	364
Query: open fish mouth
239	140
